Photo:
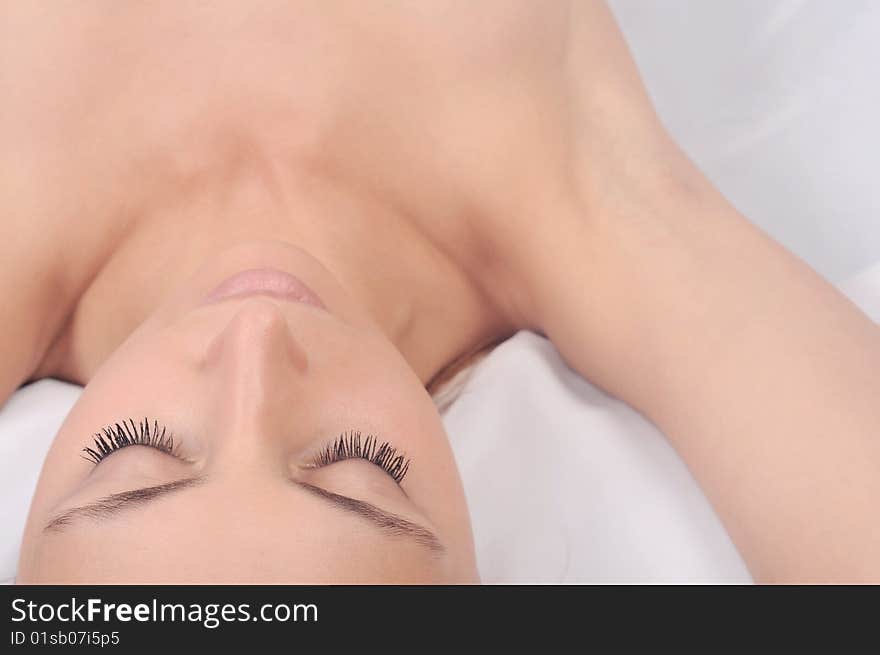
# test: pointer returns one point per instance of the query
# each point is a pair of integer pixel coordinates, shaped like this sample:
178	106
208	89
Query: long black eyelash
349	445
129	433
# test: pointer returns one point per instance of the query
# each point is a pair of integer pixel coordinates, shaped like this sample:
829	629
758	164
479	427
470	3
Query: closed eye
348	445
128	433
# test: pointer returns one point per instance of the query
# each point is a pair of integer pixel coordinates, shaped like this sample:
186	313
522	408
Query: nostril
260	315
258	337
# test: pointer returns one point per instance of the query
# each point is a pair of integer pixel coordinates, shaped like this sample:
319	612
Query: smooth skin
443	187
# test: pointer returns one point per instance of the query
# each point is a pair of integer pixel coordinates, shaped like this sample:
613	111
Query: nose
254	365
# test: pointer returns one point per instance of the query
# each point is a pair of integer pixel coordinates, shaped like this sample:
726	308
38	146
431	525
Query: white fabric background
777	101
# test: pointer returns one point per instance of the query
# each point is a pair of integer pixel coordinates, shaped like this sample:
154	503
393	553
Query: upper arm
762	376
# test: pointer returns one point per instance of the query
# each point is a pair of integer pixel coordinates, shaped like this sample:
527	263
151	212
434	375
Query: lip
265	282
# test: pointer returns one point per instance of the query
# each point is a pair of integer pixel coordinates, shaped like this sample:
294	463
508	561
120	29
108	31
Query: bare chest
134	113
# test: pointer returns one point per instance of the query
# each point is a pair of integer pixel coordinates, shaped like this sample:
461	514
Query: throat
422	300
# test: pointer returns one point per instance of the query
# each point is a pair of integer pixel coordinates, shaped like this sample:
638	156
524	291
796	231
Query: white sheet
777	101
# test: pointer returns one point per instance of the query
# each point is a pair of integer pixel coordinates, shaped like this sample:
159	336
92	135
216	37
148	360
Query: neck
421	299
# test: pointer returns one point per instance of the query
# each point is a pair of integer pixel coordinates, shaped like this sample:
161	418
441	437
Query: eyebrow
113	504
391	523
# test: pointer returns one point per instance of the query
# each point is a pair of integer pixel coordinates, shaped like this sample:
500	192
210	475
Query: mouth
265	282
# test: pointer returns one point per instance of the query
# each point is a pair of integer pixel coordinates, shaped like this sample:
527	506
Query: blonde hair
448	383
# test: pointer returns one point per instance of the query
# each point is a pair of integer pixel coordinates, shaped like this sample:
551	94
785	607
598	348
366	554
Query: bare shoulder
34	284
50	182
33	296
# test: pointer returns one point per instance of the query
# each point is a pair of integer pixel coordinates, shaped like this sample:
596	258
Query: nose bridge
255	363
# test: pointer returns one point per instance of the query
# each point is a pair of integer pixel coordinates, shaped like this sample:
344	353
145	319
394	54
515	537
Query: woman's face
259	488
